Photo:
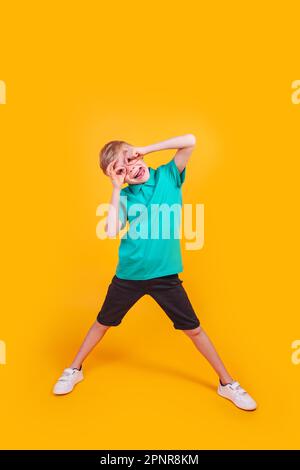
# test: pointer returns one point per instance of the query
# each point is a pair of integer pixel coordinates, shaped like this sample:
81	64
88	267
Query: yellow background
78	75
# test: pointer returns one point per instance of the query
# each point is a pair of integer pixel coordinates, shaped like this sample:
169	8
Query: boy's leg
94	335
120	297
171	296
228	388
73	375
207	349
173	299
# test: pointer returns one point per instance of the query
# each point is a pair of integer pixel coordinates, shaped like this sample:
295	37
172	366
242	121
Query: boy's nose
130	169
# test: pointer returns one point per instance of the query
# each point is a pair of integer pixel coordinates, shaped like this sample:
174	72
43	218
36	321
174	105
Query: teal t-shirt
151	246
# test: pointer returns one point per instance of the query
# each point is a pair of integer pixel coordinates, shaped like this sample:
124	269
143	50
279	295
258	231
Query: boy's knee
102	327
194	332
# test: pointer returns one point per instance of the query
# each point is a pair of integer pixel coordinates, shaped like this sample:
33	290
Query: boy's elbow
192	139
112	233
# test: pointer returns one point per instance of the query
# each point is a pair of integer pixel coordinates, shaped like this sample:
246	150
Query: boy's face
136	171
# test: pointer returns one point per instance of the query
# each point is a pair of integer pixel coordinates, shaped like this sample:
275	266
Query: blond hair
109	152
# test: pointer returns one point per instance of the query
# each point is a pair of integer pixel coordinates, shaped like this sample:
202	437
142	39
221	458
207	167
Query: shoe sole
74	385
239	407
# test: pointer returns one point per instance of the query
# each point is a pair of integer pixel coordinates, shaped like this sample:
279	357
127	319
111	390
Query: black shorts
168	292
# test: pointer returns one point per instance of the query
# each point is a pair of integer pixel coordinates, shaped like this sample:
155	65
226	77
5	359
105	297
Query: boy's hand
117	175
137	153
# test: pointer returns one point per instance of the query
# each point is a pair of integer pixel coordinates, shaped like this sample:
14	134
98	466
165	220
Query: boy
149	262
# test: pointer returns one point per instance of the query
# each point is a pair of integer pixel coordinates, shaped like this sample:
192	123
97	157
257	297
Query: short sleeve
123	209
173	173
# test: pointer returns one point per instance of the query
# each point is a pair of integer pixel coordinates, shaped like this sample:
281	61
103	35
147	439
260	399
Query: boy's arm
185	145
113	221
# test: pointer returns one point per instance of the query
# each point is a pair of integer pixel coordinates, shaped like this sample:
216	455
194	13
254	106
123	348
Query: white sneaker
67	381
237	395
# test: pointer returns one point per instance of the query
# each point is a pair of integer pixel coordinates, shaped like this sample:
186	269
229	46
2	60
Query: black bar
144	458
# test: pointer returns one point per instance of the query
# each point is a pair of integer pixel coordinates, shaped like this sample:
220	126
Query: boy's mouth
140	173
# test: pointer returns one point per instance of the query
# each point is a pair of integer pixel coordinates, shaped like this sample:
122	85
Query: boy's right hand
117	175
137	153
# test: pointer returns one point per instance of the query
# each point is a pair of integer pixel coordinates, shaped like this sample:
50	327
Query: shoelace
65	376
237	388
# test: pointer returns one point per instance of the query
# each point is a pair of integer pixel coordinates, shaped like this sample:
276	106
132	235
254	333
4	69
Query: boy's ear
109	168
